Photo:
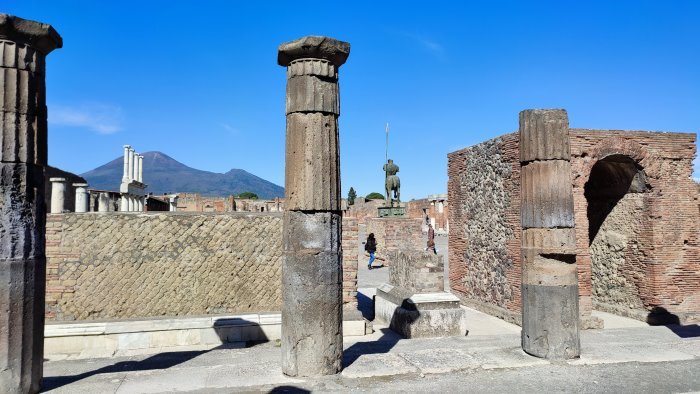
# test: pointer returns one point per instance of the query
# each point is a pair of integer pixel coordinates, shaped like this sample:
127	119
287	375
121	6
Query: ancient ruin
132	187
24	45
635	209
312	335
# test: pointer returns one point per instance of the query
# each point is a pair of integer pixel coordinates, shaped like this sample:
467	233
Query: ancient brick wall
484	239
394	233
646	255
417	271
350	255
430	207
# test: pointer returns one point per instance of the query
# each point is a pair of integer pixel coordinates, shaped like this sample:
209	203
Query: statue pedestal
396	233
385	212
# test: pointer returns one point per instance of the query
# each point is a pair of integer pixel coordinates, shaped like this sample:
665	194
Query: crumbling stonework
24	45
661	249
350	256
396	233
416	271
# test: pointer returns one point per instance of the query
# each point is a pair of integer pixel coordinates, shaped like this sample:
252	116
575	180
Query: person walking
371	248
431	239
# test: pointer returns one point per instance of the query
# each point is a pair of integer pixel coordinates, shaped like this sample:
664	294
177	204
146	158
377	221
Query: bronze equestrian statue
392	182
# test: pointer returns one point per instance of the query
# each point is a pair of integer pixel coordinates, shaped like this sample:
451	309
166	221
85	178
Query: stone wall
139	265
484	238
647	252
350	255
434	208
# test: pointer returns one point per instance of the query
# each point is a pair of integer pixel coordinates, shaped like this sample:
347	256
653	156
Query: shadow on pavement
365	305
158	361
288	389
382	345
690	331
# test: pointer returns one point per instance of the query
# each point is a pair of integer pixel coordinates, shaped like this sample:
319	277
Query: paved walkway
384	361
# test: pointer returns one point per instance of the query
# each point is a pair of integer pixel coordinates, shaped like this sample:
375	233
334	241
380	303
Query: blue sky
199	80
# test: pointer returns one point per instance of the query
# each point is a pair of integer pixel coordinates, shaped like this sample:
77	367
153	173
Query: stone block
319	67
549	256
309	93
315	47
420	315
416	271
312	180
551	321
544	135
311	232
546	195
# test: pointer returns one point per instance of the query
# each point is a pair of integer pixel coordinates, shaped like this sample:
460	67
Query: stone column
129	203
139	203
103	202
173	203
140	174
124	205
137	167
129	163
23	147
550	326
82	198
125	177
58	194
312	335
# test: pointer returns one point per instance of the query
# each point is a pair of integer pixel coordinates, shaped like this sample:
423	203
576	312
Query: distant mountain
163	174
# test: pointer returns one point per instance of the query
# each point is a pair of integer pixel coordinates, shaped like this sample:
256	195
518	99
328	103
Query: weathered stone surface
312	249
21	324
549	256
308	93
312	170
40	36
544	135
416	271
22	211
315	47
546	195
312	334
550	321
318	67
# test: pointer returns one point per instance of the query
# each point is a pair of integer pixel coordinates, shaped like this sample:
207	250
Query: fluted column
23	147
140	172
550	317
312	335
125	176
82	198
132	164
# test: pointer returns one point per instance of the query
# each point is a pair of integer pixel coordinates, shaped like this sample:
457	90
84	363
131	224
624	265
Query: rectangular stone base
425	315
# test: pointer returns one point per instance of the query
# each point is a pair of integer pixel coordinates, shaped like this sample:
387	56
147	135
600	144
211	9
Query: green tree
248	196
375	196
351	196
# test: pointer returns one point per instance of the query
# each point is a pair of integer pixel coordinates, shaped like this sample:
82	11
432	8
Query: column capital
80	185
57	179
127	146
314	47
40	36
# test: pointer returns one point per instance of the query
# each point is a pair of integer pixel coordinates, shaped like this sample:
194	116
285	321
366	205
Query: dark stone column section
312	316
550	320
23	147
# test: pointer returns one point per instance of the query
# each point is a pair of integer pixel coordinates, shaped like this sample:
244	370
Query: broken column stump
312	314
550	321
23	146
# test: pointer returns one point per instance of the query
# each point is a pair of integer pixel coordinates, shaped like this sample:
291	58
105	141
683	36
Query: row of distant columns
133	173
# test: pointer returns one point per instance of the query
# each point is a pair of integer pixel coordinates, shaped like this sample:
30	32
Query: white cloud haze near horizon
96	117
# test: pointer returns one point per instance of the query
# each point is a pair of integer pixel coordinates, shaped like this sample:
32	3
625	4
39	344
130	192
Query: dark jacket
371	245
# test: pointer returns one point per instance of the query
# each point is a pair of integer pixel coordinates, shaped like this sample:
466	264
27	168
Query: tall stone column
23	147
312	335
132	164
58	194
124	205
550	326
125	177
82	198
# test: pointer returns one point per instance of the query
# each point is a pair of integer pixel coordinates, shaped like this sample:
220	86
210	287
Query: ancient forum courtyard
556	251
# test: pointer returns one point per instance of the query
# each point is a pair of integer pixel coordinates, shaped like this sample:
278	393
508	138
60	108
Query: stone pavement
383	361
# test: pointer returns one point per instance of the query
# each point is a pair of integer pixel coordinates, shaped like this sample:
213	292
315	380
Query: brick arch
618	146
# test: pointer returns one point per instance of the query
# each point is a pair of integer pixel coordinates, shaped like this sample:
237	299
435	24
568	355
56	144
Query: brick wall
350	255
419	209
394	233
126	265
648	254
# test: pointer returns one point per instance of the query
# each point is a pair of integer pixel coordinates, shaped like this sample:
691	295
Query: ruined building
636	224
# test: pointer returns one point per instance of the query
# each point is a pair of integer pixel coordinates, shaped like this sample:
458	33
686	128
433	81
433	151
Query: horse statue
392	183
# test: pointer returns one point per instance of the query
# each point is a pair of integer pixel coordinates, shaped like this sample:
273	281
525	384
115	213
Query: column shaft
82	198
23	150
58	194
549	290
312	335
103	202
140	169
125	176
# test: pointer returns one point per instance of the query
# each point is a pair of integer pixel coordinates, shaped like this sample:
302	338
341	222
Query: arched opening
616	197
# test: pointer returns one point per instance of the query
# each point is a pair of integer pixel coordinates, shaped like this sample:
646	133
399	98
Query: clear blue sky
199	80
